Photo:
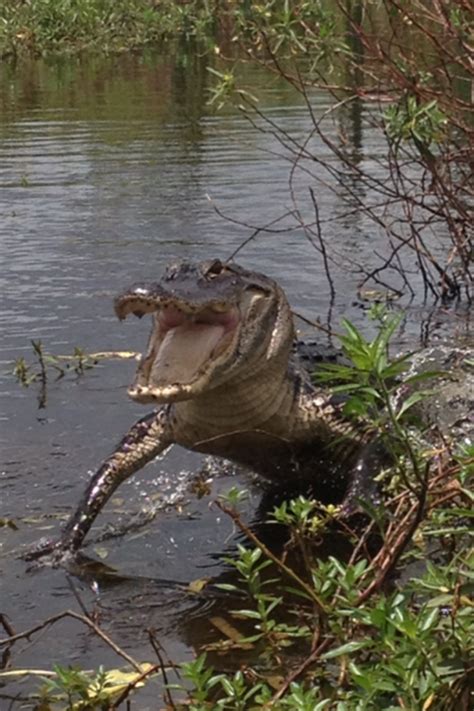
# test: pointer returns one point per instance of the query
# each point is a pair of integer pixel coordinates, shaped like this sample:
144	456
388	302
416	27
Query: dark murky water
105	173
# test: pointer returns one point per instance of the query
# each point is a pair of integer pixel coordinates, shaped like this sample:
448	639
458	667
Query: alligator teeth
221	308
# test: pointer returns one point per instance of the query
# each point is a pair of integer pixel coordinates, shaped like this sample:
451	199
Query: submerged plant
47	365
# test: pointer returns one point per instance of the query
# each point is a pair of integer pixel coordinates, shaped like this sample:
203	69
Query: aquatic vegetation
47	365
26	373
68	26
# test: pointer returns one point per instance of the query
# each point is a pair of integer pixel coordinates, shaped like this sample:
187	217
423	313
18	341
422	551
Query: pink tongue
183	351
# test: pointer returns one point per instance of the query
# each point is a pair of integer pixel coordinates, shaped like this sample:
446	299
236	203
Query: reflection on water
107	170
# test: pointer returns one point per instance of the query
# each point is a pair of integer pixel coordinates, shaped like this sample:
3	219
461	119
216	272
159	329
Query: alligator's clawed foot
48	552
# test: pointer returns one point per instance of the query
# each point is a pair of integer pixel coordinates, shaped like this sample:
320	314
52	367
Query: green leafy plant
375	394
67	26
425	124
78	689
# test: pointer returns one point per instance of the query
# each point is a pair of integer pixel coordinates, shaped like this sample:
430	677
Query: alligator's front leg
144	441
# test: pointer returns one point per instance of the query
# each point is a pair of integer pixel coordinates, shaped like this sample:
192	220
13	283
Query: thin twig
316	324
7	626
130	687
322	245
79	600
157	649
396	550
81	618
300	670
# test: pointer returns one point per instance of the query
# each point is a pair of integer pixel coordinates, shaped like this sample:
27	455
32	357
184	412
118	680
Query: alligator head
212	322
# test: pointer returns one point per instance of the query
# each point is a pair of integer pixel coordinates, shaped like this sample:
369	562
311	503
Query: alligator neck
264	400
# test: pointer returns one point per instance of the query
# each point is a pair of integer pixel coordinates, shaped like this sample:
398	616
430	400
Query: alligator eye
214	269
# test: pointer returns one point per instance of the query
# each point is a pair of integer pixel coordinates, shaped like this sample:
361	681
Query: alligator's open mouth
209	319
186	344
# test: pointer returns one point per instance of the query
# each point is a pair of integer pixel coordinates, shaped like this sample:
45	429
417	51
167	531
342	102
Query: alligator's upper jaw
187	342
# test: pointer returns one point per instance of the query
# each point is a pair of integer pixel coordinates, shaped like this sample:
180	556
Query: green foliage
225	89
26	374
72	682
378	394
371	377
306	517
288	29
81	691
307	28
303	27
215	691
269	636
45	26
409	119
405	649
235	496
73	689
372	381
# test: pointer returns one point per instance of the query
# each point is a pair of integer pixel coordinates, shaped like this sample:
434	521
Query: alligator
220	364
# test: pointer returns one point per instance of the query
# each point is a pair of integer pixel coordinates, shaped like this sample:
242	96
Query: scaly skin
237	393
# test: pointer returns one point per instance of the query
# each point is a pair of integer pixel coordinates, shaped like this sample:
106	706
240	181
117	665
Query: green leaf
347	388
440	601
385	335
355	406
429	620
427	375
360	677
252	614
372	392
412	400
346	649
353	334
227	686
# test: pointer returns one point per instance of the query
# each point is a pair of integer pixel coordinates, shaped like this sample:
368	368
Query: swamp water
108	170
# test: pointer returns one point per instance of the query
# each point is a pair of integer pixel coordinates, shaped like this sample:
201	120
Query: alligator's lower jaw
182	356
